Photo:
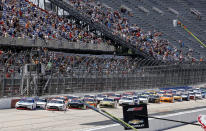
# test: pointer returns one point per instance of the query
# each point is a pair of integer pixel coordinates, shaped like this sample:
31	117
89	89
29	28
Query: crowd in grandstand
64	63
23	19
117	21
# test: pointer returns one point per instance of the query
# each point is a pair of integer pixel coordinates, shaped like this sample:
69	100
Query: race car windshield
60	98
118	95
142	97
58	102
77	101
127	98
27	101
105	99
89	100
167	96
155	96
41	100
89	96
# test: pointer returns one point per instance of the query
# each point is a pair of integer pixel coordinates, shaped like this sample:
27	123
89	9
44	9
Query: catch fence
84	81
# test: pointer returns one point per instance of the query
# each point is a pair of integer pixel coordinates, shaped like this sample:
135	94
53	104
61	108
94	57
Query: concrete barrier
8	103
5	103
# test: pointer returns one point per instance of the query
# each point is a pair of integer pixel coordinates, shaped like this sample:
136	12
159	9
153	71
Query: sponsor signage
134	116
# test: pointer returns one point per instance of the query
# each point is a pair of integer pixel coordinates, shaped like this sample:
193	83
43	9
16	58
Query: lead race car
26	103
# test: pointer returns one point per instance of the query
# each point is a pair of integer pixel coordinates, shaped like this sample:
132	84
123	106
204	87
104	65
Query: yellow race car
177	97
108	102
167	98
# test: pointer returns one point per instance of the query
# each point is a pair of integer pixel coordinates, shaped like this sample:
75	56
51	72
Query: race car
71	97
100	97
143	99
161	93
185	96
136	100
167	98
177	97
154	99
56	104
90	101
192	95
108	102
76	103
198	95
41	103
116	97
126	101
64	98
90	96
26	103
203	94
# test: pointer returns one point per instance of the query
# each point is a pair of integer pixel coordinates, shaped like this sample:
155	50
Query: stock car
192	95
100	97
167	98
71	97
76	103
116	97
126	101
64	98
185	96
203	94
198	95
26	103
108	102
177	97
90	101
41	103
56	104
154	99
90	96
143	99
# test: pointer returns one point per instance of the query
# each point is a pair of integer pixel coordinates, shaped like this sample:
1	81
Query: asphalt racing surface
88	120
160	125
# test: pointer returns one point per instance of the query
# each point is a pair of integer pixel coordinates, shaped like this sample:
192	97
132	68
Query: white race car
198	95
143	99
41	103
126	101
56	104
26	103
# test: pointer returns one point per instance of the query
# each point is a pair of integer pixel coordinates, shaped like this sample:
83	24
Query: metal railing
55	44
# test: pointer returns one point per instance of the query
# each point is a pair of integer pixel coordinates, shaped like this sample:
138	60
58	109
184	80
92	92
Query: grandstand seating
149	22
24	20
163	23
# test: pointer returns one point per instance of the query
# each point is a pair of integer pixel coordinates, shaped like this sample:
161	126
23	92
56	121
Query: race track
88	120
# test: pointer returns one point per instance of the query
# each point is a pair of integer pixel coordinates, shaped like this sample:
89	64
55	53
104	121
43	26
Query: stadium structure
72	46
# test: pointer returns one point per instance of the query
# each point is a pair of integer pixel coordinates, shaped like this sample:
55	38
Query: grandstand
100	45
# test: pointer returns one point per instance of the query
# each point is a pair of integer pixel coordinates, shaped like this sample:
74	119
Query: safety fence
82	81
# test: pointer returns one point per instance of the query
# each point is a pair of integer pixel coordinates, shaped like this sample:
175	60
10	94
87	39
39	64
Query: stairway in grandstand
163	22
107	32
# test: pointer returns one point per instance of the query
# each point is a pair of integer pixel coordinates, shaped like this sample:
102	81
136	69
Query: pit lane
75	120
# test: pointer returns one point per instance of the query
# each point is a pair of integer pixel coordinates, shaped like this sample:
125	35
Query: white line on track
161	116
